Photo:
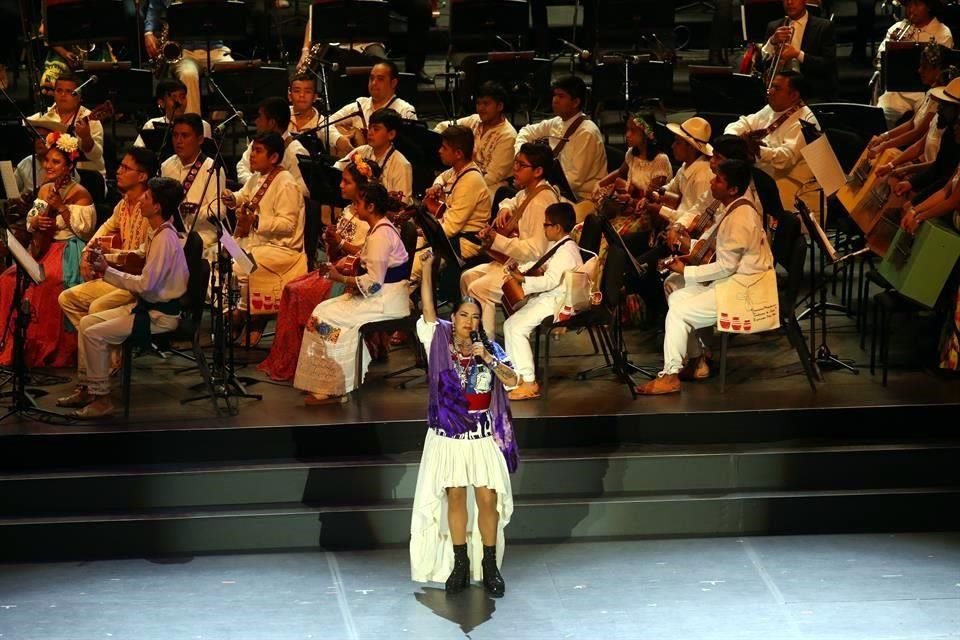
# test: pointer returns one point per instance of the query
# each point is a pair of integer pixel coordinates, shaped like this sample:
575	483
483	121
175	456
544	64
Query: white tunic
899	102
364	105
493	149
281	212
290	162
531	242
583	159
468	204
202	192
397	170
690	183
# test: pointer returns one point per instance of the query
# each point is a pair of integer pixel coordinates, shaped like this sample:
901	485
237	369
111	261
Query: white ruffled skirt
449	462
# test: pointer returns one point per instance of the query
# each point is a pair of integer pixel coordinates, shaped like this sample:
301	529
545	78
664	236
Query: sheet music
9	180
33	268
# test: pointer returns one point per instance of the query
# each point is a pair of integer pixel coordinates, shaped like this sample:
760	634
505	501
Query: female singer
300	297
325	368
469	443
63	213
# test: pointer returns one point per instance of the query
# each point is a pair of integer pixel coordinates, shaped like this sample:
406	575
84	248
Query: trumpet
170	52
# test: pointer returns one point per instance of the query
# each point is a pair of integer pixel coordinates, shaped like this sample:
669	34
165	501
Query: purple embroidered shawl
447	408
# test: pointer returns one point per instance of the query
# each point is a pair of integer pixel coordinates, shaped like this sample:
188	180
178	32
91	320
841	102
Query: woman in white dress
378	291
469	445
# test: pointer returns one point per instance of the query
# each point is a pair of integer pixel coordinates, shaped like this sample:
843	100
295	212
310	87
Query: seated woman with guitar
377	290
301	296
270	220
62	218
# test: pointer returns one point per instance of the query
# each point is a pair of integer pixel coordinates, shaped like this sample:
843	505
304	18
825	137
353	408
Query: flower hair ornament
363	168
66	143
643	125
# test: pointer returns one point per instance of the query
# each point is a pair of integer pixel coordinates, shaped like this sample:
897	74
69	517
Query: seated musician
517	233
304	116
68	111
273	116
195	172
397	176
775	134
61	219
645	168
920	181
493	136
128	227
300	297
944	201
270	219
353	118
575	140
808	46
62	60
378	293
741	248
157	308
921	26
172	102
29	172
458	198
194	52
544	292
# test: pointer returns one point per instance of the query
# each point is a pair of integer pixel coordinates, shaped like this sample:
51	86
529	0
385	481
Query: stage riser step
586	477
540	523
195	446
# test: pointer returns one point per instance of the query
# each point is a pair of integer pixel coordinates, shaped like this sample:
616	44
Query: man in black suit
809	47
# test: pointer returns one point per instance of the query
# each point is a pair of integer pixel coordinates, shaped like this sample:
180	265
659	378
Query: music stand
484	25
525	77
158	140
736	92
127	88
628	80
421	147
322	179
755	15
435	238
354	80
248	86
636	21
84	21
898	66
207	20
350	21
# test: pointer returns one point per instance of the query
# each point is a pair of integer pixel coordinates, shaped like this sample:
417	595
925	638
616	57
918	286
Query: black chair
885	305
599	319
789	251
193	303
408	233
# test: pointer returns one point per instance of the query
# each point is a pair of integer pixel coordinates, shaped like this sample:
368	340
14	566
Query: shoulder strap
515	219
572	129
549	254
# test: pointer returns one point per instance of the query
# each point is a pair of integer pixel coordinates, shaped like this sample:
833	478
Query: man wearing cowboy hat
691	146
779	127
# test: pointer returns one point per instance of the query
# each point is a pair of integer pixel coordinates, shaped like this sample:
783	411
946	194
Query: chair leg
724	338
885	345
873	339
536	346
593	340
127	363
546	363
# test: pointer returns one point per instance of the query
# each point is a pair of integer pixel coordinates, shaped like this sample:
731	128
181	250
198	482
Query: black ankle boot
460	576
492	580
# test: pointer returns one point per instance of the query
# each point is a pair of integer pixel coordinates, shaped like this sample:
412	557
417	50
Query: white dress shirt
895	103
741	248
201	192
690	183
290	162
280	212
165	274
583	159
93	159
493	149
397	170
315	122
566	258
364	104
152	123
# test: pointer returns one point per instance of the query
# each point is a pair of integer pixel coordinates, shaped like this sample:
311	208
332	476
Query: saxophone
170	52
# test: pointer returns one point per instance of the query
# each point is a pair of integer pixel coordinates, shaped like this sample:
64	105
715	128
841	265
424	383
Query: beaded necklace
462	363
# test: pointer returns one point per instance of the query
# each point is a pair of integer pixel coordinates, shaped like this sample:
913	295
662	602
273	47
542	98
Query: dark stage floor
763	375
849	587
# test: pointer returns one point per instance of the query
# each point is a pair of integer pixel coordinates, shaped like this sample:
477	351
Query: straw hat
696	131
949	93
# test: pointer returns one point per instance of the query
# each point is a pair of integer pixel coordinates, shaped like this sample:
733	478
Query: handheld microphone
90	80
475	337
584	54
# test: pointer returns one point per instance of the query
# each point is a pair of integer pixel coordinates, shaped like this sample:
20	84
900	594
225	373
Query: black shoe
423	78
492	580
460	576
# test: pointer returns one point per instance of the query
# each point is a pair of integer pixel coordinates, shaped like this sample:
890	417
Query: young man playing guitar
517	233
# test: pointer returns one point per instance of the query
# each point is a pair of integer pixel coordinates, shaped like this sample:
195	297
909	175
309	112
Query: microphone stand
327	104
31	129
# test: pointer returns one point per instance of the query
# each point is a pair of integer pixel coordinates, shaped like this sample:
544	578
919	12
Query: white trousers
99	332
93	296
692	307
897	103
519	326
484	283
188	72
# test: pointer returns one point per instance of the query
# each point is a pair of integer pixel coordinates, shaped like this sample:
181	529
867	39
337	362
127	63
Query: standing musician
382	87
493	136
517	233
741	248
187	70
68	111
775	135
130	226
273	116
270	219
195	172
576	141
921	25
809	41
61	219
158	290
172	102
397	172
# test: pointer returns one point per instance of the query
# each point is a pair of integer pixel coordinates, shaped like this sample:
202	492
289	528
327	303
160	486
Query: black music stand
485	25
247	86
323	180
355	80
630	81
898	66
719	88
350	21
755	15
647	22
207	20
525	77
421	147
84	21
